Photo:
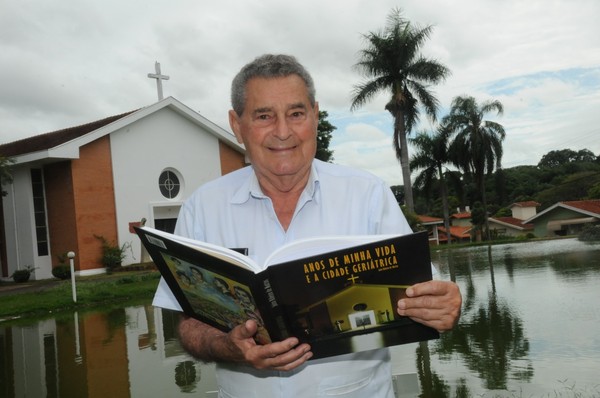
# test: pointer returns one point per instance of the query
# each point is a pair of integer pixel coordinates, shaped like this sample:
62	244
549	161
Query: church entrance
165	224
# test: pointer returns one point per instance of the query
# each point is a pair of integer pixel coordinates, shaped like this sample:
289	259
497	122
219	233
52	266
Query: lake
529	328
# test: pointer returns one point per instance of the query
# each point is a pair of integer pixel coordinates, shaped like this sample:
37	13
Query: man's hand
433	303
282	355
209	344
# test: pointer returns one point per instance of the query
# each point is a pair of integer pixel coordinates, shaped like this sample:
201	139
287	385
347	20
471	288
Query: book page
223	253
324	244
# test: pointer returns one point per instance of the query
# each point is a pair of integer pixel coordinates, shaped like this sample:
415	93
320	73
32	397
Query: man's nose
282	128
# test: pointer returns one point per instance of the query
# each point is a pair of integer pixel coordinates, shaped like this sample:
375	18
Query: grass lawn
50	297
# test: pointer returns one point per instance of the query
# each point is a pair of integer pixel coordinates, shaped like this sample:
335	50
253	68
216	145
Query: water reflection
529	328
522	303
126	352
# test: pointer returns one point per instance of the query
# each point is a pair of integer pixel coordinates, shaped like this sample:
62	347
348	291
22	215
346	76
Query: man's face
278	127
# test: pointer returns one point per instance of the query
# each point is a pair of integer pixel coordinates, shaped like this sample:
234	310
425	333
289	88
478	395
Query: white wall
141	151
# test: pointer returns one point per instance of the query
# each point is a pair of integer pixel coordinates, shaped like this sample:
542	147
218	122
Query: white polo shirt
232	211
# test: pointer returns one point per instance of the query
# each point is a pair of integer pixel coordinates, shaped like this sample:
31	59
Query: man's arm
433	303
212	345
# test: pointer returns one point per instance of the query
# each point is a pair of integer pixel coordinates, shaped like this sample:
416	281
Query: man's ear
234	123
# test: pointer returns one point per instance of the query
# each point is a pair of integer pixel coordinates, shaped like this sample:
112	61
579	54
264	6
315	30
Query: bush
22	275
61	271
590	234
112	255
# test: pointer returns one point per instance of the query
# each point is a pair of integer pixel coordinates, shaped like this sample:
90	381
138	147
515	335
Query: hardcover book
337	293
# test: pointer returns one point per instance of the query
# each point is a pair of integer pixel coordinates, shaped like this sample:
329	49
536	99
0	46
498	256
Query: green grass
122	288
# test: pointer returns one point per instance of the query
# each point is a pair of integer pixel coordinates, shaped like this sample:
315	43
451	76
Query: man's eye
264	117
297	114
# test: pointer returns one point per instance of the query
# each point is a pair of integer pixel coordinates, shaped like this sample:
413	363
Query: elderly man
285	195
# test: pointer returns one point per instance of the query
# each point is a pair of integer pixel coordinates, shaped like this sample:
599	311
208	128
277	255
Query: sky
69	62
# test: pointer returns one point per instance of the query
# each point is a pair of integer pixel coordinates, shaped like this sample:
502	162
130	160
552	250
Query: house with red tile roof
514	226
100	179
461	219
566	218
437	232
431	224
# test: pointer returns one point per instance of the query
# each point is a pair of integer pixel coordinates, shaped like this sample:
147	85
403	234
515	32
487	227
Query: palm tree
431	157
392	62
477	146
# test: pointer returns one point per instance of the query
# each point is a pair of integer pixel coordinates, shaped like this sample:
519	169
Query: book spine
271	311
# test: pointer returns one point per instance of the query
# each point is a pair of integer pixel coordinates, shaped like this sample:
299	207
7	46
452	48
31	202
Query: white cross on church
159	78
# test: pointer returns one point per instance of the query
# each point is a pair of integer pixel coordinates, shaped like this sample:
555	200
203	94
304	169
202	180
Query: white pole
71	256
77	344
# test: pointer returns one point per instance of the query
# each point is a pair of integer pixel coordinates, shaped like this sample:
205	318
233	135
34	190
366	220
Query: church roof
50	140
65	143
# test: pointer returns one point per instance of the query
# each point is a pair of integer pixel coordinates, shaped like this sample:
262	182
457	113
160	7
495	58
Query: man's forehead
267	93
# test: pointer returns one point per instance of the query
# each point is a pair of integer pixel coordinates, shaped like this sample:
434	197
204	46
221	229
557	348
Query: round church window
169	184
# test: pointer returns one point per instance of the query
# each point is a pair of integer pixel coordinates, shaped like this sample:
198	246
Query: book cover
340	298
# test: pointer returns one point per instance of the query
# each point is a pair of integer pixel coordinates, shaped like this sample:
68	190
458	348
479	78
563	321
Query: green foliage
570	187
594	191
91	292
5	172
392	63
503	212
324	130
413	220
112	254
478	215
560	158
398	191
61	271
576	180
22	275
590	234
476	148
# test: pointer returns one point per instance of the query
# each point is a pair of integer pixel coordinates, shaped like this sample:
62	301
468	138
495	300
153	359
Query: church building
74	187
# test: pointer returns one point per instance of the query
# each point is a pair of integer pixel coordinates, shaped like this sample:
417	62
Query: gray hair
268	66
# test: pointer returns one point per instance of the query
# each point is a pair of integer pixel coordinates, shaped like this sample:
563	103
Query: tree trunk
486	223
444	193
400	134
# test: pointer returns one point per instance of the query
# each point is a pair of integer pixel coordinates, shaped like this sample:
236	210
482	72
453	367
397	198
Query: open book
338	293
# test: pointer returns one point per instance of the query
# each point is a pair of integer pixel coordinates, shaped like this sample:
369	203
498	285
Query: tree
392	62
5	172
477	146
561	157
431	157
324	130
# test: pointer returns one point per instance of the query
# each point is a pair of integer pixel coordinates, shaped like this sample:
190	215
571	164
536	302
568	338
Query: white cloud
70	62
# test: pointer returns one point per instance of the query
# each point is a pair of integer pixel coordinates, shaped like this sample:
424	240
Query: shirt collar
251	188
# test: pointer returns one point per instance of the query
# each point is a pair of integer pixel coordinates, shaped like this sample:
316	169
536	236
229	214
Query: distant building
566	218
100	179
432	224
514	226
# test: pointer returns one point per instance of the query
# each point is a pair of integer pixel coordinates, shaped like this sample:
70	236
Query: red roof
429	219
513	221
456	232
592	206
461	215
55	138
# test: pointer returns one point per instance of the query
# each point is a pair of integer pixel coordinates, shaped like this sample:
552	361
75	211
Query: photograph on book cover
216	297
